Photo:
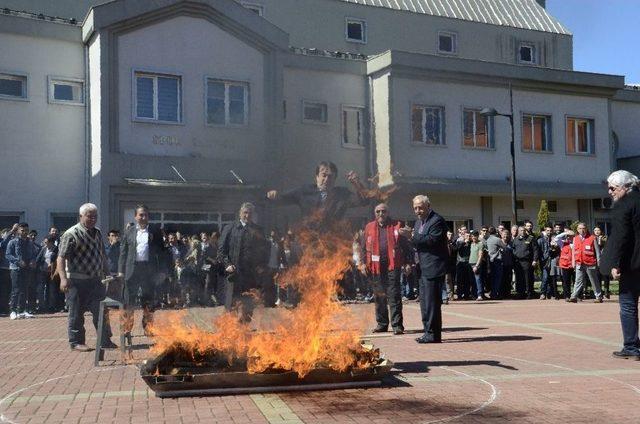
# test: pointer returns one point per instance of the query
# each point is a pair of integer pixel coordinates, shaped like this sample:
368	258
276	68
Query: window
13	86
352	126
356	30
520	204
7	219
227	102
527	53
314	112
158	97
63	221
580	137
454	225
477	129
427	124
256	8
447	42
552	205
605	226
536	133
66	91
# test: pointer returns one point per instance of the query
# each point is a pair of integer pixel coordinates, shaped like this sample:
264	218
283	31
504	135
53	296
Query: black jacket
525	249
430	241
622	250
244	247
127	260
309	200
40	264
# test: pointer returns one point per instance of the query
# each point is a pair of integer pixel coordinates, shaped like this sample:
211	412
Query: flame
319	332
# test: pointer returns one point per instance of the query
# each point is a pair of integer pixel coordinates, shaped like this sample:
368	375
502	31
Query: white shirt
142	244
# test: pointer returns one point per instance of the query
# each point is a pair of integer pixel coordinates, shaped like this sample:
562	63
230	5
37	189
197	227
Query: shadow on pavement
423	366
513	338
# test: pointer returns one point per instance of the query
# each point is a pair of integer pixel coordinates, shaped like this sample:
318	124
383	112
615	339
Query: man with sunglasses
621	257
387	252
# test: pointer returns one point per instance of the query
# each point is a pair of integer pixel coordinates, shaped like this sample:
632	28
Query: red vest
566	255
372	240
585	250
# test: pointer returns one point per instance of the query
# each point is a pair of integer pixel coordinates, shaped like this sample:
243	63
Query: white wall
453	160
624	121
42	144
194	48
415	32
305	144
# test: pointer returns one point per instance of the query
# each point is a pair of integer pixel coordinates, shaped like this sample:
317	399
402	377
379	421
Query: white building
158	102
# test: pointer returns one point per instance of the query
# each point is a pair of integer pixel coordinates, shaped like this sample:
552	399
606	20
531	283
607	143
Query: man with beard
243	249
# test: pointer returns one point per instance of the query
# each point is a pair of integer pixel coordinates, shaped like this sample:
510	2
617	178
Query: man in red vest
586	253
386	252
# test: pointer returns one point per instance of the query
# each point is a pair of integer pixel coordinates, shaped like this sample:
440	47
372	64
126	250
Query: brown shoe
80	348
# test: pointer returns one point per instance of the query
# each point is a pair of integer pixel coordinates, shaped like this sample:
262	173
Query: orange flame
319	332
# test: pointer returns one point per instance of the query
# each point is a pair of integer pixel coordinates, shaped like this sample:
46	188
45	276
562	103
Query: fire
319	332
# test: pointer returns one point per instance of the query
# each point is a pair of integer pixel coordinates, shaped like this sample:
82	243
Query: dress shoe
572	300
598	300
380	329
80	348
109	344
398	331
625	354
424	340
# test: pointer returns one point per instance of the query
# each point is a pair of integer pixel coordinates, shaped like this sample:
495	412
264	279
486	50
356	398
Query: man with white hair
387	252
429	237
243	249
82	263
621	256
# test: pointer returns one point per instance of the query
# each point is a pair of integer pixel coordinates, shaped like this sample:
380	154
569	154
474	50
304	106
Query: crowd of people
391	262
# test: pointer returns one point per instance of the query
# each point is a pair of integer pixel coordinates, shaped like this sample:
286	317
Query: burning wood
318	341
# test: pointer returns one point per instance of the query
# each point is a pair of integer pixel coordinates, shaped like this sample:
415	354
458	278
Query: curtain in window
144	100
236	104
432	125
168	99
527	142
468	128
416	124
11	87
215	103
571	136
351	127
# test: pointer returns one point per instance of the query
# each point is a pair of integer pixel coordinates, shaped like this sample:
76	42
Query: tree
543	215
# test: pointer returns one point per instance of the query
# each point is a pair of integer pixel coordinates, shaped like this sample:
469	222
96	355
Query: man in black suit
141	260
429	237
243	251
621	256
323	203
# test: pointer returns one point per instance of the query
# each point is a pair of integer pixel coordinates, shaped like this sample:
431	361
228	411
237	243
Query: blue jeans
479	287
628	301
548	283
496	278
19	284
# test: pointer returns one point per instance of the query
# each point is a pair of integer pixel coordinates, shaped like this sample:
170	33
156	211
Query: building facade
193	107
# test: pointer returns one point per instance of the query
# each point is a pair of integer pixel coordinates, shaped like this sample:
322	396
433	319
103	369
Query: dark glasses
381	211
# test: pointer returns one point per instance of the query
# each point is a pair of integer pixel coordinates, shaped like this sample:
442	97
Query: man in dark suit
621	256
323	202
429	237
141	260
243	251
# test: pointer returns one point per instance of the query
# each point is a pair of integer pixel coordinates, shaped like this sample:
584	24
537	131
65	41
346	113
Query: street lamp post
492	112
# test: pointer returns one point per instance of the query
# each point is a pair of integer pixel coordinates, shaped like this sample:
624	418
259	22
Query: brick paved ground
511	361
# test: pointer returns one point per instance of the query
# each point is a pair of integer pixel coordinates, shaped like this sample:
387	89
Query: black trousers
430	307
5	290
465	280
524	280
141	281
85	296
388	298
237	295
566	274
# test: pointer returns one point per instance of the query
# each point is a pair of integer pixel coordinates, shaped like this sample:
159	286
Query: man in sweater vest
387	252
586	253
82	263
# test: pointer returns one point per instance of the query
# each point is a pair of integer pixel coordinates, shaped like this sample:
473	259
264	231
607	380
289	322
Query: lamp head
489	111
